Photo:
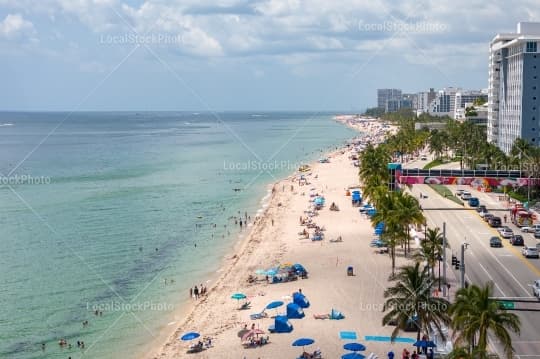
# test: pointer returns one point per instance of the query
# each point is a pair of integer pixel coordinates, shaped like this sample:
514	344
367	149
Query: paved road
510	272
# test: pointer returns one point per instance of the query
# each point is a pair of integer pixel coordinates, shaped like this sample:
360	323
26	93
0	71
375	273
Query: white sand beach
274	239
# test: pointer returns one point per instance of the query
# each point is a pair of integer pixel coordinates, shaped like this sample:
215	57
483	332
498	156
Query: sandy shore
274	239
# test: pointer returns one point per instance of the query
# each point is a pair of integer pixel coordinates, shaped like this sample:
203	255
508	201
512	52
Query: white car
536	288
503	229
507	233
466	195
530	229
423	158
530	252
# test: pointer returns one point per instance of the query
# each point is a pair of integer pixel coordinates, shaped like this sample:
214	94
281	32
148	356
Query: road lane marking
492	280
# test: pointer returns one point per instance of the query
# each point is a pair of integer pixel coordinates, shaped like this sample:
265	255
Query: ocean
122	212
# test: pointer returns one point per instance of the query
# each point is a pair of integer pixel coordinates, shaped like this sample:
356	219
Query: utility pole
463	248
443	258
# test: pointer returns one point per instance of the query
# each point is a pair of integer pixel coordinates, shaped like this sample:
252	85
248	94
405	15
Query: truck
520	216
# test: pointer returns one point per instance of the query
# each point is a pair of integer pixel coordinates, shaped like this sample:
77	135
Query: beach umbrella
190	336
271	272
355	347
424	344
251	333
274	305
302	342
353	355
238	296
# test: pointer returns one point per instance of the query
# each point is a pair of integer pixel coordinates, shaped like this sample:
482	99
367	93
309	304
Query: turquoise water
113	204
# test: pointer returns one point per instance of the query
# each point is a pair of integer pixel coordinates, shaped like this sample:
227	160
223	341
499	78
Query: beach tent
301	300
281	325
294	311
300	270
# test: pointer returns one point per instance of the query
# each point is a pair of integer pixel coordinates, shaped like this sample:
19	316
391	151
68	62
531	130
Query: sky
227	55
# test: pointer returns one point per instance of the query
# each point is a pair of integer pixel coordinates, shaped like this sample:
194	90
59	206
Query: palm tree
475	314
388	212
409	213
431	248
410	300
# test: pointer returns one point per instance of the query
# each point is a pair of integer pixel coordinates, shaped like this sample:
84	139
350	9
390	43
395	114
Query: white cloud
15	26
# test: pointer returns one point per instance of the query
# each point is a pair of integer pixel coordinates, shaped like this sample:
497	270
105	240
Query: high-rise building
424	99
384	95
444	102
513	92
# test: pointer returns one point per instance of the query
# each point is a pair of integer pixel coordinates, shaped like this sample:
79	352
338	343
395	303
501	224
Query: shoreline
216	315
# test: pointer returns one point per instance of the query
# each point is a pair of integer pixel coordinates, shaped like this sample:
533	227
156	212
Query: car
530	229
507	233
537	234
459	192
488	216
503	228
536	288
474	202
423	158
517	240
495	242
495	222
530	252
481	209
466	195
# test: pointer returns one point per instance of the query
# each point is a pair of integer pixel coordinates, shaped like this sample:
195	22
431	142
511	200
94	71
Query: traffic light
454	260
457	265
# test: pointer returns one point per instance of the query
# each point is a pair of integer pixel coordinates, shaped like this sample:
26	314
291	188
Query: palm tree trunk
393	254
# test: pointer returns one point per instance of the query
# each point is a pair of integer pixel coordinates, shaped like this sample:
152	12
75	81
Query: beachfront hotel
513	95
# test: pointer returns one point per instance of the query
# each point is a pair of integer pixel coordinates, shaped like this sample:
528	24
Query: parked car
507	233
536	288
495	222
530	229
530	252
495	242
517	240
466	195
488	216
474	202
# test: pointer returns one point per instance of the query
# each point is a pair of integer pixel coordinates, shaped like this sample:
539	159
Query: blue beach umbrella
190	336
355	347
238	296
424	344
275	304
302	342
271	272
353	355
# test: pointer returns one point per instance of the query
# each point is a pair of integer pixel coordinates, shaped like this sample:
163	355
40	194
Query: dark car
495	242
517	240
488	216
481	208
537	234
495	222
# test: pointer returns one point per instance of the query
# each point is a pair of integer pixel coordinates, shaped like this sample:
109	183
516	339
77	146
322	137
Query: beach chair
245	306
260	315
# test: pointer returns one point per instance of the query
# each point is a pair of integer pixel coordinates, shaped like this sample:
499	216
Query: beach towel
347	335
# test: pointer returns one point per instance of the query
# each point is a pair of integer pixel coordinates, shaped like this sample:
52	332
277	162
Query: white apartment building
513	88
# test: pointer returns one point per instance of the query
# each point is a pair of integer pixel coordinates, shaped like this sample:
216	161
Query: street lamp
529	191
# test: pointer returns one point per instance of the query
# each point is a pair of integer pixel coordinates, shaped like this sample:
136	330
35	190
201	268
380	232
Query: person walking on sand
191	292
196	292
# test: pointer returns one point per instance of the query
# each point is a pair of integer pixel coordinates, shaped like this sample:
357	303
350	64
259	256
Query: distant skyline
227	55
